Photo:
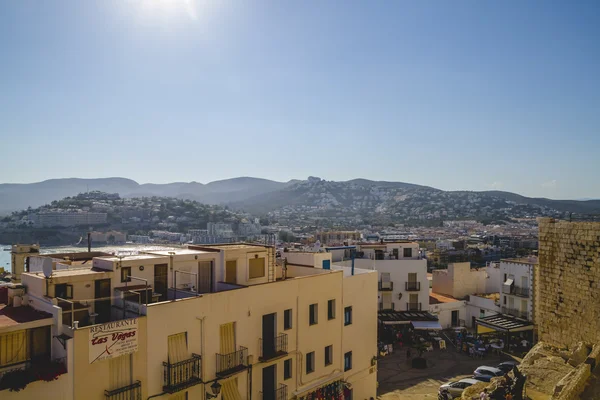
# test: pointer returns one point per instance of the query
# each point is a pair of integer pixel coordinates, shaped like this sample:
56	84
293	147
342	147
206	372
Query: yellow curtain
120	371
230	390
227	336
178	348
14	347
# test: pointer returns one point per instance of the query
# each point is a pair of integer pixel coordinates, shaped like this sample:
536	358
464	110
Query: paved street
397	380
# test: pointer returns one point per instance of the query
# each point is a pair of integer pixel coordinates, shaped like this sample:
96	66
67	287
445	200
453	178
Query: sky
472	95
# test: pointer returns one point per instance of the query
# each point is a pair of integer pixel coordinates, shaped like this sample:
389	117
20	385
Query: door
205	276
102	300
268	336
473	322
161	281
413	302
231	271
326	264
268	383
455	318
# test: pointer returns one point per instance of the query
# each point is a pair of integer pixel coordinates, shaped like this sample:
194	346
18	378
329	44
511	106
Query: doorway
454	318
205	277
268	382
231	271
161	281
102	300
268	336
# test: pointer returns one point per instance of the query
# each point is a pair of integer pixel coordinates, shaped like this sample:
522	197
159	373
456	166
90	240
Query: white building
68	218
451	312
222	322
516	296
459	280
403	283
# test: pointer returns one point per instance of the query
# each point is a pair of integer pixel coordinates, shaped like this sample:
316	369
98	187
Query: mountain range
262	195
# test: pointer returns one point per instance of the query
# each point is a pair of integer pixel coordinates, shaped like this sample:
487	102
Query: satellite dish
47	267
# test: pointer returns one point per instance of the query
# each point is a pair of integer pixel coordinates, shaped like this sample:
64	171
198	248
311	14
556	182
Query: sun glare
171	8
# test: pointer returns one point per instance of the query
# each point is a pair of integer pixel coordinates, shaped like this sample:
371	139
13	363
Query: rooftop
437	298
178	252
505	323
522	260
133	257
13	316
71	272
491	296
227	246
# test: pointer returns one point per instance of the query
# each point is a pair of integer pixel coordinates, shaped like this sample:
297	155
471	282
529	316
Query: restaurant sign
113	339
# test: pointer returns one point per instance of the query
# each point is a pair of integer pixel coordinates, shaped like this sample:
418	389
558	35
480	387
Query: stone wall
567	289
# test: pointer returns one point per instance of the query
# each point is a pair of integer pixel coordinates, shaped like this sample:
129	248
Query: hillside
312	196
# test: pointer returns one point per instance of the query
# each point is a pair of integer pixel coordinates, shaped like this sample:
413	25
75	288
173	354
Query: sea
126	249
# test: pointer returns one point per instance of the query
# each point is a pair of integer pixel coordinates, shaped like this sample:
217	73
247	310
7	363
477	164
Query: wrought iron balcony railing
413	286
228	364
273	347
130	392
413	306
278	394
386	306
386	286
183	374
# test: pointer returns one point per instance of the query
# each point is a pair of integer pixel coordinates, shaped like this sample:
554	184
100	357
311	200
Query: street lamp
215	388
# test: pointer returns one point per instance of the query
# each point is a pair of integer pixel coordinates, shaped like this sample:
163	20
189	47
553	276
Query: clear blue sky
456	95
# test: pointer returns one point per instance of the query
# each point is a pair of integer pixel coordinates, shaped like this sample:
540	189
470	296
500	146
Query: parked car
456	388
485	373
507	366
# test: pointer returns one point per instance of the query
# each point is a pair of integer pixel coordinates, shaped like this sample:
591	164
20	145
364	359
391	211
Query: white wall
398	270
476	304
307	259
494	281
459	280
517	271
444	312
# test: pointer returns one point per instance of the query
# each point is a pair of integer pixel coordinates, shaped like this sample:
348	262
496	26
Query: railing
386	306
228	364
413	306
182	374
515	313
413	286
521	291
273	348
131	392
277	394
19	375
385	286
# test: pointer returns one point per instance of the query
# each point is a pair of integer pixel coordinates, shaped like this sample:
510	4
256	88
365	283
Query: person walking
484	395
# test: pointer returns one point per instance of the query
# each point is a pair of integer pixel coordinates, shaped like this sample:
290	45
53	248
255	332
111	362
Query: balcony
273	347
182	375
131	392
17	376
521	291
386	306
515	313
278	394
412	286
229	364
386	286
413	306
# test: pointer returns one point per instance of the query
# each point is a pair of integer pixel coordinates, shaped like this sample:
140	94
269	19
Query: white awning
426	325
508	282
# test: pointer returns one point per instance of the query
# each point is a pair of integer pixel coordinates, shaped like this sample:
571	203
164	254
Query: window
504	278
328	355
348	361
408	252
348	315
331	309
287	369
310	362
313	317
63	291
287	319
504	297
177	347
125	274
481	313
231	271
256	268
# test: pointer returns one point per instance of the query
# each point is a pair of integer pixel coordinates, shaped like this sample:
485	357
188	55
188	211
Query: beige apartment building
220	321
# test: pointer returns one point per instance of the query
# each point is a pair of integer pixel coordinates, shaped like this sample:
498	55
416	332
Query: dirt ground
397	380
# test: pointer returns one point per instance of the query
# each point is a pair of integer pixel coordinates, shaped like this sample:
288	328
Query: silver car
456	388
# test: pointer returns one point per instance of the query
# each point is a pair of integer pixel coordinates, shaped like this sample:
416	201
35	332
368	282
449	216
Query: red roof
11	316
